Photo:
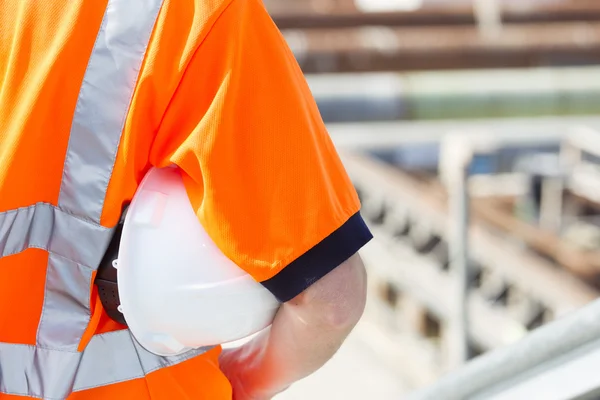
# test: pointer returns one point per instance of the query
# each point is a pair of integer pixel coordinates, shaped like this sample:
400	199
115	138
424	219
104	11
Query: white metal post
459	260
489	17
455	161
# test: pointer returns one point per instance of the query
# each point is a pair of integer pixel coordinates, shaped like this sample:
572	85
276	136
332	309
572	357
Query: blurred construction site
471	130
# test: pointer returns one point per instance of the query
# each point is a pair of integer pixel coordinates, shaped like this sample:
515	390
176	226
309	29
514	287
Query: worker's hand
235	364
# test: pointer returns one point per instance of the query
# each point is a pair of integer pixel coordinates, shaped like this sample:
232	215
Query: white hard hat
178	291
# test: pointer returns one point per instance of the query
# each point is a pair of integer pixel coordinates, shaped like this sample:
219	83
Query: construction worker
95	93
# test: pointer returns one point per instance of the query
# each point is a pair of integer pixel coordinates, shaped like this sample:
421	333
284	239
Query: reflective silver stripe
21	371
100	113
71	231
117	357
66	311
68	274
53	374
44	226
103	104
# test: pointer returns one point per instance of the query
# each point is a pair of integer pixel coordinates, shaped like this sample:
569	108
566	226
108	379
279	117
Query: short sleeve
259	165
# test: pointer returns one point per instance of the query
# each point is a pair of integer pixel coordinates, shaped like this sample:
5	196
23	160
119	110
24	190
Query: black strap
106	277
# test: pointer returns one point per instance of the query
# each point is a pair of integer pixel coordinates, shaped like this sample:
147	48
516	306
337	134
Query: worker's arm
307	332
270	189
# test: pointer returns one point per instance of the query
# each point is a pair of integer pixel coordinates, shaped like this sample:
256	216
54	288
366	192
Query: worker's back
94	93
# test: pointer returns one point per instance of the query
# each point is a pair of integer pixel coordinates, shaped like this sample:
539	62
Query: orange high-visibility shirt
94	93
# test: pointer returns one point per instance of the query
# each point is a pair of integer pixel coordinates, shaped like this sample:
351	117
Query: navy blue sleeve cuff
320	260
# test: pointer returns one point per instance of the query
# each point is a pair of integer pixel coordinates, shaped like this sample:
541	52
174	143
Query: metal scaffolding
555	362
436	270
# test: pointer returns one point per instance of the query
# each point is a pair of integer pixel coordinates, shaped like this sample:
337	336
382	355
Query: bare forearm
292	349
305	333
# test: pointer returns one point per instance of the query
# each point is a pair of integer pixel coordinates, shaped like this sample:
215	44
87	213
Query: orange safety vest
94	93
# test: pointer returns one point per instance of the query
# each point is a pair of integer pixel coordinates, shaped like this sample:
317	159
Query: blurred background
471	130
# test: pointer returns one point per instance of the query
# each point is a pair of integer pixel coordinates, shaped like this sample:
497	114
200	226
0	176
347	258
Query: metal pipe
503	366
489	17
458	247
454	163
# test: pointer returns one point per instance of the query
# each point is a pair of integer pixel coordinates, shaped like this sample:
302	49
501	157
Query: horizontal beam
444	48
372	136
352	97
438	16
547	81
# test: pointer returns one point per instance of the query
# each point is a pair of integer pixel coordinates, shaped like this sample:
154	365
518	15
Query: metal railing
558	361
555	362
397	207
458	151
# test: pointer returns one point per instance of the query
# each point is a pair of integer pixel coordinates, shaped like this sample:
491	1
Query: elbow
337	301
347	308
343	316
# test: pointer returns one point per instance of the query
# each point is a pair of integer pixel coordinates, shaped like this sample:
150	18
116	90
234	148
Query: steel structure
458	152
513	290
303	14
376	48
336	36
380	136
426	284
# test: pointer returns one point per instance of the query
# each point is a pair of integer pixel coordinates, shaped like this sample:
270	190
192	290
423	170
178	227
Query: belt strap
106	277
